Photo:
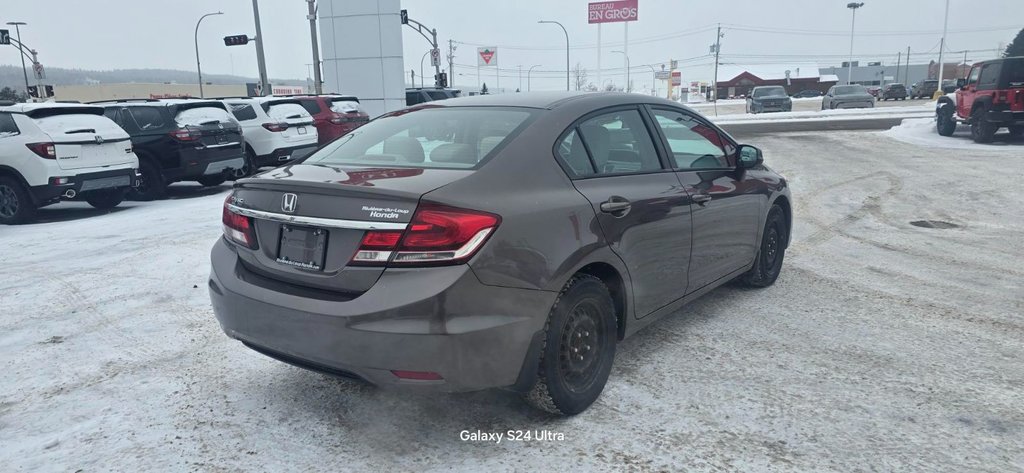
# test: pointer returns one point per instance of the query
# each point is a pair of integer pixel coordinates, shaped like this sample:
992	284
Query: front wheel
768	264
212	181
247	169
15	204
151	182
945	124
579	347
105	199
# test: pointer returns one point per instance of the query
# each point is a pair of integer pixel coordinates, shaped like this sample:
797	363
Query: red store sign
612	12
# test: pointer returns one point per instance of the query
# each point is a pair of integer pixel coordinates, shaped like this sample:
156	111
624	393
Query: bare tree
579	74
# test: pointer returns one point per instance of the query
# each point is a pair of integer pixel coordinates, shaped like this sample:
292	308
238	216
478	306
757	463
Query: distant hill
11	76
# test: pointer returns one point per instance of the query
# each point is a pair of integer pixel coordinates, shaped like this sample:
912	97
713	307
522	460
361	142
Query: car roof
151	102
29	107
548	100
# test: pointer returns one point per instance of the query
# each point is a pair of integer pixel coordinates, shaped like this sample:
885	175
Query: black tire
249	168
212	181
581	324
16	204
982	131
151	183
945	124
105	199
772	251
1017	130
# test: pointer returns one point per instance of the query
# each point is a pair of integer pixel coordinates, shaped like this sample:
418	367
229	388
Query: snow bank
921	132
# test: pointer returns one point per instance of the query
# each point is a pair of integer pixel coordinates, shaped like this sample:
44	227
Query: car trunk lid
83	137
210	123
300	128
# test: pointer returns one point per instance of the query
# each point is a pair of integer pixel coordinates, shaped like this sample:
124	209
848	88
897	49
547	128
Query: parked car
178	140
874	90
333	115
418	95
894	92
990	98
808	93
769	98
51	152
847	96
276	130
949	86
924	89
495	241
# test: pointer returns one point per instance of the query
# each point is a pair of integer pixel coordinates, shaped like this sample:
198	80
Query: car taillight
353	117
44	150
436	235
238	228
275	127
184	134
1002	96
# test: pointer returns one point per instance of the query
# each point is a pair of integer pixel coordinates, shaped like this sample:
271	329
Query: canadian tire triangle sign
487	56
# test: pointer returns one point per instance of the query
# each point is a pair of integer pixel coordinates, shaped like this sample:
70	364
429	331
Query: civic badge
288	202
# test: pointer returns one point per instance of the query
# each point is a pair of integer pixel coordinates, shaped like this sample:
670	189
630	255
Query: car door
727	204
965	96
641	209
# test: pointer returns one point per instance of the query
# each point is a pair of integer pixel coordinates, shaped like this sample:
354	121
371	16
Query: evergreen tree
1016	47
483	90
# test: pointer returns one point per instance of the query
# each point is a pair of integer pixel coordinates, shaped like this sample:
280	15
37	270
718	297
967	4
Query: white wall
362	52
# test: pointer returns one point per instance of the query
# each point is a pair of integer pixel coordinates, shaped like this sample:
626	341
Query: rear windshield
896	87
344	106
74	123
202	116
850	89
767	91
287	110
432	138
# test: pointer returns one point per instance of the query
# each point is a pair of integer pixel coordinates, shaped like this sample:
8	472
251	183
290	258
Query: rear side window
7	125
282	111
1014	71
990	75
147	118
202	116
242	111
694	145
619	143
311	106
433	138
574	156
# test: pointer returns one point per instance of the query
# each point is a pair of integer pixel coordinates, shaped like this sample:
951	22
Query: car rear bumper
857	104
285	155
125	176
438	320
1005	117
207	162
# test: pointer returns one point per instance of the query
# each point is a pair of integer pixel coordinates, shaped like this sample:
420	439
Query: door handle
701	199
616	206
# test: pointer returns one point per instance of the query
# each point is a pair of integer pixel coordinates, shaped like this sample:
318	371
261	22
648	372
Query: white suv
56	151
276	130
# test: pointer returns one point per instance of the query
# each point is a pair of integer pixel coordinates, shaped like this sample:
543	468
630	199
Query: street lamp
849	70
566	50
623	53
424	56
17	25
654	80
942	47
199	69
528	71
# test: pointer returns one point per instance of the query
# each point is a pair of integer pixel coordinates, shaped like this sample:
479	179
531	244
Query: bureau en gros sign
612	12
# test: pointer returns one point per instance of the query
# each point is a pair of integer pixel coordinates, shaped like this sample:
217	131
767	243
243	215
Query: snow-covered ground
924	110
921	132
882	347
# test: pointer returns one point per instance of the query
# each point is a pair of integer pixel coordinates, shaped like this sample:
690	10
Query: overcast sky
116	34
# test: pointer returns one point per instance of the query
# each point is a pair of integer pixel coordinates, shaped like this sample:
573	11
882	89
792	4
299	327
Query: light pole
424	56
261	61
566	50
942	47
199	68
849	70
318	85
623	53
654	80
17	29
528	71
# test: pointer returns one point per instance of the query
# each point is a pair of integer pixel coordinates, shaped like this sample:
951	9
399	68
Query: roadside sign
5	36
486	56
612	12
435	57
677	78
661	75
38	71
675	64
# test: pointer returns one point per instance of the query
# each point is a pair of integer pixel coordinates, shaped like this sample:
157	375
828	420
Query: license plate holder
302	247
302	130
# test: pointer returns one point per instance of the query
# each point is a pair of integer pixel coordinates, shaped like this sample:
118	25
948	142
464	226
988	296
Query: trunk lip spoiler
317	221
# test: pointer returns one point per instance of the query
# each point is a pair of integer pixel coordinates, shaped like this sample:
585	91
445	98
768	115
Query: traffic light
441	80
405	17
49	90
33	91
236	40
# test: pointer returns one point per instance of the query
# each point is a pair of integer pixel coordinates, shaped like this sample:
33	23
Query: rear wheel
1017	130
579	347
151	182
15	204
105	199
211	181
945	124
768	264
982	131
248	168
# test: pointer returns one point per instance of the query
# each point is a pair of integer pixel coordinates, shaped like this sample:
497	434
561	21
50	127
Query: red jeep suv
333	115
990	98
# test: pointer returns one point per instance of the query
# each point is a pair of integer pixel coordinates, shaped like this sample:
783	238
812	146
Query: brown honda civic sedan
495	241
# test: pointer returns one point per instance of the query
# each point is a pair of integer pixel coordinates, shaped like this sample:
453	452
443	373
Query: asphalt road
883	347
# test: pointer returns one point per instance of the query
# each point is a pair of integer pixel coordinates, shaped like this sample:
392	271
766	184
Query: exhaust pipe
70	194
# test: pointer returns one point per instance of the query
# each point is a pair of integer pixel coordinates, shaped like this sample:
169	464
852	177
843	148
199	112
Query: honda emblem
99	139
288	202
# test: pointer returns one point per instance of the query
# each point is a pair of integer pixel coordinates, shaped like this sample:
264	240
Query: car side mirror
748	157
961	82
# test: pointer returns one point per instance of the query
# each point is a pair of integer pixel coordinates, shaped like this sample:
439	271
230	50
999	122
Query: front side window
620	143
147	118
694	144
433	138
973	77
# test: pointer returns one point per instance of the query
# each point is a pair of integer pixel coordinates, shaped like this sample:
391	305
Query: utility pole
451	63
566	50
718	50
17	28
261	61
317	82
899	57
849	70
942	48
907	75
